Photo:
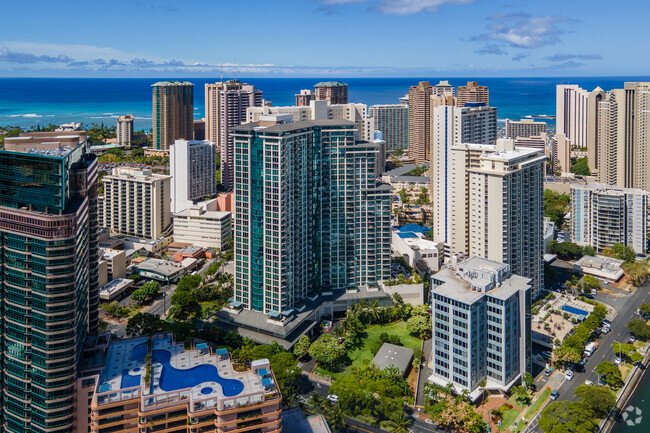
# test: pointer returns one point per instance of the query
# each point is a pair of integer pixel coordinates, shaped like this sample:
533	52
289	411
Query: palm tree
335	416
374	311
316	401
289	394
400	423
482	385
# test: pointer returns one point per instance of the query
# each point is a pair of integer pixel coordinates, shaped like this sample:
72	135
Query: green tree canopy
184	305
144	324
611	372
567	417
639	328
328	352
597	398
637	271
301	347
556	205
581	167
565	250
419	325
590	282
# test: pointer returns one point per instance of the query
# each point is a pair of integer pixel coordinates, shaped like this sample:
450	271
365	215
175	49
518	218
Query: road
626	311
161	305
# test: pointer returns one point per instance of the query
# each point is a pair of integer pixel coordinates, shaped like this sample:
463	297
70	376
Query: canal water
636	414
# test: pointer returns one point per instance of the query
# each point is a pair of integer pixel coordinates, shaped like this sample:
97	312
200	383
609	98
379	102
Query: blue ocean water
27	102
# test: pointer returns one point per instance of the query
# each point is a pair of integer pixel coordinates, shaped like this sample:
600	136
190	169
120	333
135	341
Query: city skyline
531	39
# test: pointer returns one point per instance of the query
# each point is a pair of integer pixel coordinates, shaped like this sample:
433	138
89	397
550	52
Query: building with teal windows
310	217
48	276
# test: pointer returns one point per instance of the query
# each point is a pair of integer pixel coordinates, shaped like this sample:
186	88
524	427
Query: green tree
399	423
556	205
419	325
521	395
565	250
637	271
184	305
623	252
581	167
590	282
567	417
597	398
147	292
144	324
611	372
529	380
589	251
328	352
301	348
645	308
639	328
335	416
626	350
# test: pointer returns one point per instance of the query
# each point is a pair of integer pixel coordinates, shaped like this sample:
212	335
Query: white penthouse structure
193	168
481	325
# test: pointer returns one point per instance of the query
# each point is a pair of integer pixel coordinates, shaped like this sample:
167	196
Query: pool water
574	310
172	379
139	352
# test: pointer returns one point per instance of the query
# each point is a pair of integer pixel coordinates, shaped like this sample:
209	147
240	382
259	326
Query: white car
569	375
333	398
588	382
618	361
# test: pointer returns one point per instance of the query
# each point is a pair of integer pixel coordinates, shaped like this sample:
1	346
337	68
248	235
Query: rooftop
608	189
410	179
292	126
469	280
391	355
403	170
172	83
330	84
164	267
294	420
200	373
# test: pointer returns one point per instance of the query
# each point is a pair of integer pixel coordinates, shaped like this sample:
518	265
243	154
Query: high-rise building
444	88
571	113
199	130
524	128
333	92
225	107
124	130
173	112
487	200
49	276
472	93
419	112
603	215
309	215
623	137
136	202
305	97
452	126
393	122
506	210
322	110
481	326
593	102
192	167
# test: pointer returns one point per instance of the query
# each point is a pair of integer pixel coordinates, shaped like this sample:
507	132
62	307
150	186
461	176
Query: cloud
567	65
566	57
6	55
519	57
523	31
394	7
492	49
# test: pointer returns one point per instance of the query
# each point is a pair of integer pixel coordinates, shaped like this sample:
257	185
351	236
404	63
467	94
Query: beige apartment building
136	203
203	228
124	130
173	112
420	122
472	93
524	128
225	107
178	391
334	92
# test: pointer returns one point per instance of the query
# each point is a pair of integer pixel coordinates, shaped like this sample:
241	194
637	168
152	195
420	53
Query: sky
323	38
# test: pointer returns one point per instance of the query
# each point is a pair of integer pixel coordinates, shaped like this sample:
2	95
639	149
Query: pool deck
119	360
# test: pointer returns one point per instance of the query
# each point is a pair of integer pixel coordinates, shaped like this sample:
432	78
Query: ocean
27	102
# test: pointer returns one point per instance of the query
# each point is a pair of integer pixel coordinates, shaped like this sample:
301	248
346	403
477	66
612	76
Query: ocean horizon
28	102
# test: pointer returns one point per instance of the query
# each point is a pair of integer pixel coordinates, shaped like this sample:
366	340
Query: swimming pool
172	379
574	310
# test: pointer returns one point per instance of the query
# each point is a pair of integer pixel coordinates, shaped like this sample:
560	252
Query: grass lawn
508	418
520	425
537	404
513	400
208	307
359	355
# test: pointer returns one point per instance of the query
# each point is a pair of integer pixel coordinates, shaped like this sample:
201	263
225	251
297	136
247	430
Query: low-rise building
188	252
164	270
203	228
481	325
179	390
391	355
421	254
549	232
600	266
115	263
114	289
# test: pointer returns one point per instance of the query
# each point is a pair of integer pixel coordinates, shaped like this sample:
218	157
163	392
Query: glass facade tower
48	280
309	215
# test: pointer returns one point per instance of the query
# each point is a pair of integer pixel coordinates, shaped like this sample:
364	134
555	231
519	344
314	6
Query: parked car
631	340
555	394
588	382
333	398
569	375
618	361
548	372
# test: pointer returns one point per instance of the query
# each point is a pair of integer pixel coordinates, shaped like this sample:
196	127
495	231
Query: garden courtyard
362	351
